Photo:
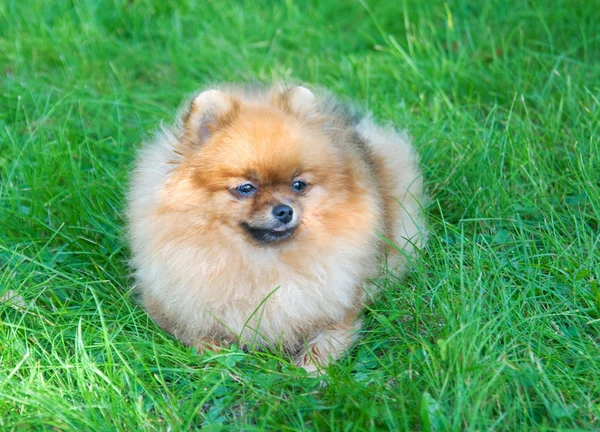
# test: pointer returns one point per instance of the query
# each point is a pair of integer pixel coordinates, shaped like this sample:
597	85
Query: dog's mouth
269	235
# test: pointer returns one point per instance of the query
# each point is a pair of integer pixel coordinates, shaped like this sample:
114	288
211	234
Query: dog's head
265	170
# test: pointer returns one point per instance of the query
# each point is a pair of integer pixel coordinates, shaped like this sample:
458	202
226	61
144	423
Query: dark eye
245	189
298	186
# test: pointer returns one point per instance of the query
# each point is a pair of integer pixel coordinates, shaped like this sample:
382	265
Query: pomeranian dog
261	216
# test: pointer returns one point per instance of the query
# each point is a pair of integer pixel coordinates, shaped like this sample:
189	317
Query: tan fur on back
201	277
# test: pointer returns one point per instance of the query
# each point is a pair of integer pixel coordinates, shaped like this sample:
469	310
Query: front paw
329	345
204	345
313	359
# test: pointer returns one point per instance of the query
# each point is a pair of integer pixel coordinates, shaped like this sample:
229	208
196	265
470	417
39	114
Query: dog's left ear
208	112
301	100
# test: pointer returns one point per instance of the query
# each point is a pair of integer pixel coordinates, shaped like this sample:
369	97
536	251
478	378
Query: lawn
497	327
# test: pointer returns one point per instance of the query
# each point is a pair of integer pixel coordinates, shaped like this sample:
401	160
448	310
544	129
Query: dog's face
258	176
265	174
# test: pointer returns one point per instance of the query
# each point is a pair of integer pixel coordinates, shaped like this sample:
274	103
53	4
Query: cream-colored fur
214	286
401	160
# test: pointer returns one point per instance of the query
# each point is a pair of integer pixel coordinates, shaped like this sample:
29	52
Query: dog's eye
245	189
298	186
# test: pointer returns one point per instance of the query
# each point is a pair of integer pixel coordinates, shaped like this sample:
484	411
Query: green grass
498	327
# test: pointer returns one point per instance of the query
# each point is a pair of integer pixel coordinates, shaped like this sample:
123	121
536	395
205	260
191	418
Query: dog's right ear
301	100
208	111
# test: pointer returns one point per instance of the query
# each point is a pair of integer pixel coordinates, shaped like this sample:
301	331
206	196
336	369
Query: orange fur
203	272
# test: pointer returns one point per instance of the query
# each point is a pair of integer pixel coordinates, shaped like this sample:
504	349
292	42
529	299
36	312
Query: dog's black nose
283	213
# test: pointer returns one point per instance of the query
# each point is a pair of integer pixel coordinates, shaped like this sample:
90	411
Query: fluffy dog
260	216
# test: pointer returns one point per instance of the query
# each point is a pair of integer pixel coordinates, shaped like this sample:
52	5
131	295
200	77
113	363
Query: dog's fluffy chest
270	292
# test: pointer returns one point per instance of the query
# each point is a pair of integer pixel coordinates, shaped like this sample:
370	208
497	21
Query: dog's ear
301	100
208	111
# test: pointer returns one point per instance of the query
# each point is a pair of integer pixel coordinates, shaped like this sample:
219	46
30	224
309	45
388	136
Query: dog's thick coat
203	272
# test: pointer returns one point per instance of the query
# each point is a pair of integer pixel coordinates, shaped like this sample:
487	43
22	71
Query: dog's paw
313	358
204	345
327	346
